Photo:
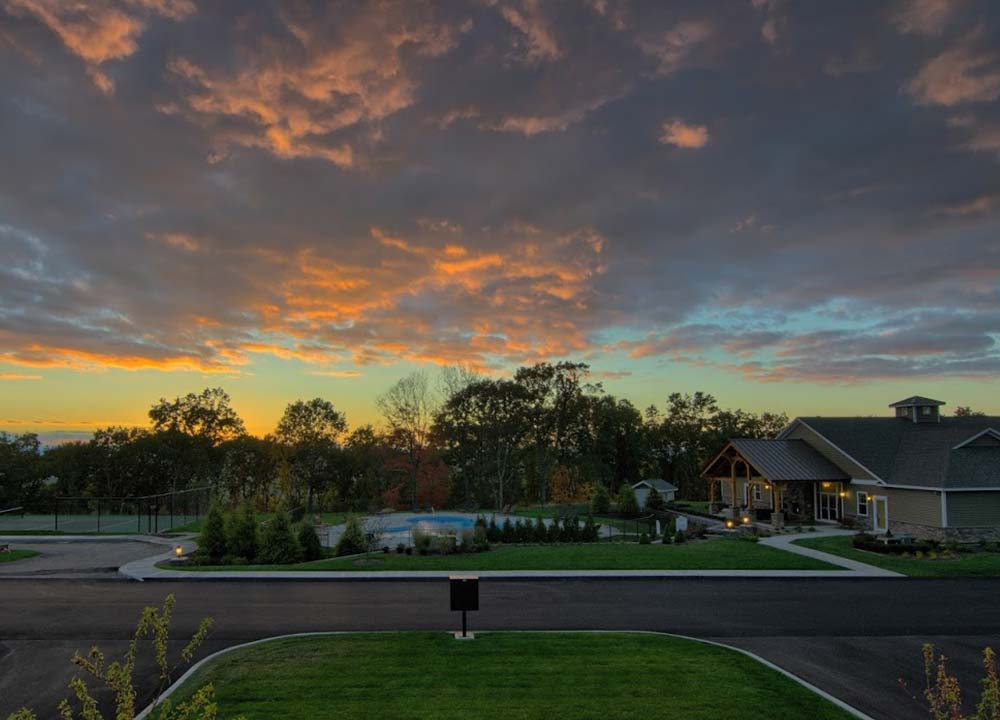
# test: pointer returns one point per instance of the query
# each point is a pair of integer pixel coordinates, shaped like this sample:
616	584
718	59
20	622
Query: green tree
654	501
600	502
627	503
352	540
212	540
309	543
966	411
20	469
310	422
242	534
208	414
278	545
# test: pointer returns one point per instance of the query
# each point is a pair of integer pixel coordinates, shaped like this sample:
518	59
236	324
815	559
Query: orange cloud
676	48
293	98
100	31
18	376
529	21
961	74
683	135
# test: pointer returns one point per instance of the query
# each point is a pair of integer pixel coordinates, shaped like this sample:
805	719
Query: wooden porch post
733	509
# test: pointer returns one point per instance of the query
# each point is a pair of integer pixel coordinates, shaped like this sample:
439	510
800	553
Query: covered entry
775	481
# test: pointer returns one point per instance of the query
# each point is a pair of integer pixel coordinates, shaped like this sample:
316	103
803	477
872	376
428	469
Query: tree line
547	434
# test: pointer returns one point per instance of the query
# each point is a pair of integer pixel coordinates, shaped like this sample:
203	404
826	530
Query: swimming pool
433	524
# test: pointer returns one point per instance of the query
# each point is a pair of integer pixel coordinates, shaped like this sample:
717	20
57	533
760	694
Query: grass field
14	555
971	564
707	555
497	676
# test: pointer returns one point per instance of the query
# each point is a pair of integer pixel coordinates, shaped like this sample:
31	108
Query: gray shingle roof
917	400
780	460
901	452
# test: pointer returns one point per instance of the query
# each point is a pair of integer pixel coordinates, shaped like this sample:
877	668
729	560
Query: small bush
409	550
591	531
278	543
520	531
679	537
422	542
554	532
480	538
493	532
644	539
352	541
571	529
212	540
600	503
309	543
627	503
401	548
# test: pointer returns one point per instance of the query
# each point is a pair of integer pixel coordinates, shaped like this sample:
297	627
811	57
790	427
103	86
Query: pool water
434	524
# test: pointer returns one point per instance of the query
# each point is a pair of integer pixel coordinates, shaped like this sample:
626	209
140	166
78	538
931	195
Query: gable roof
658	484
781	460
984	436
901	452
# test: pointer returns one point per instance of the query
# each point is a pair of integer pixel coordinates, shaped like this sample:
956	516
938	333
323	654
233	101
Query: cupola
918	409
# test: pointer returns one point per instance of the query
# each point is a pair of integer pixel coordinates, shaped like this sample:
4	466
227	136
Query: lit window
862	503
925	410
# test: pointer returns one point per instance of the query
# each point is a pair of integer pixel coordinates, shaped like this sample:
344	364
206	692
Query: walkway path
786	542
79	556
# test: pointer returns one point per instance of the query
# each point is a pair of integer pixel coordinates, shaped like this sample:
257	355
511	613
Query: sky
793	206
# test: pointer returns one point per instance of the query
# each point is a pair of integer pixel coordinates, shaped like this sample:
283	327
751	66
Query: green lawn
14	555
697	506
723	554
971	564
499	676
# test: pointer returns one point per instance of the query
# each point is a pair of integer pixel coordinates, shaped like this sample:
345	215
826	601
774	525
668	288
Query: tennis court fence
145	514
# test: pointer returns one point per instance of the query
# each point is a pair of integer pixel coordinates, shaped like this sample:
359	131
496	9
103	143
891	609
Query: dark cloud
189	186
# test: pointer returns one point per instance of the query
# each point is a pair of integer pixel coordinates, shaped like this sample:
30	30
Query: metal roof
659	484
780	460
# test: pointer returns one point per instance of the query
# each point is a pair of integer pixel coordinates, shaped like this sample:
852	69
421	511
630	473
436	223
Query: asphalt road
854	638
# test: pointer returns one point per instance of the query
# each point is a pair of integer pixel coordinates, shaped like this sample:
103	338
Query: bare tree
408	410
454	379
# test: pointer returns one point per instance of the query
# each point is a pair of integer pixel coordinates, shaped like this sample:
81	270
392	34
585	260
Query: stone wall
957	535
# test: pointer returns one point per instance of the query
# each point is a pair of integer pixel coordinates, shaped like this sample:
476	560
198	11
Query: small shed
642	489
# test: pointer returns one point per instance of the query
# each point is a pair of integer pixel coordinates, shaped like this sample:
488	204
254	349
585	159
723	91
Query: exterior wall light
843	493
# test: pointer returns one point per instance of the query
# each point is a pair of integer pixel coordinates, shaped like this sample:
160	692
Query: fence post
57	514
98	515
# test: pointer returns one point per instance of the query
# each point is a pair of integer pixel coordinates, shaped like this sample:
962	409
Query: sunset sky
794	206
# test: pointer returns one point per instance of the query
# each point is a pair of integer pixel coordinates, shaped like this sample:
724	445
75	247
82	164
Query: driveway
77	559
852	638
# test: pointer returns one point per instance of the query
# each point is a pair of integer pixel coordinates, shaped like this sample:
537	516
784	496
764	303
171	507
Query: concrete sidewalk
146	570
785	542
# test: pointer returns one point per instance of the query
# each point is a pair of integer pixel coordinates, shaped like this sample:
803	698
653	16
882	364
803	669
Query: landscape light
729	524
178	551
746	519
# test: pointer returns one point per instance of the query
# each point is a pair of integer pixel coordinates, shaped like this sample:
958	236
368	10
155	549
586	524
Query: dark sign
464	593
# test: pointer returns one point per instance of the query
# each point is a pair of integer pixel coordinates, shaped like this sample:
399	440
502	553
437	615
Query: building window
862	503
925	410
758	494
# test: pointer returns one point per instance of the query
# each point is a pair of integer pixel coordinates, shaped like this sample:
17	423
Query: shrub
466	541
422	542
401	548
600	503
493	532
520	531
480	538
507	532
679	537
309	543
409	550
212	540
571	529
591	531
627	504
655	501
352	541
644	539
540	534
553	532
278	545
241	533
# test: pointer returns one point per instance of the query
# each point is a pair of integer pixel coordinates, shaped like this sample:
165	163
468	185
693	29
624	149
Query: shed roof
657	483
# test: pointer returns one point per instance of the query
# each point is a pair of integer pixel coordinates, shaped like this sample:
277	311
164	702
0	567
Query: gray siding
919	507
974	509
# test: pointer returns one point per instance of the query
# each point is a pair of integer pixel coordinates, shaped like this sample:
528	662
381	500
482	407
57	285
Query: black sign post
464	597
